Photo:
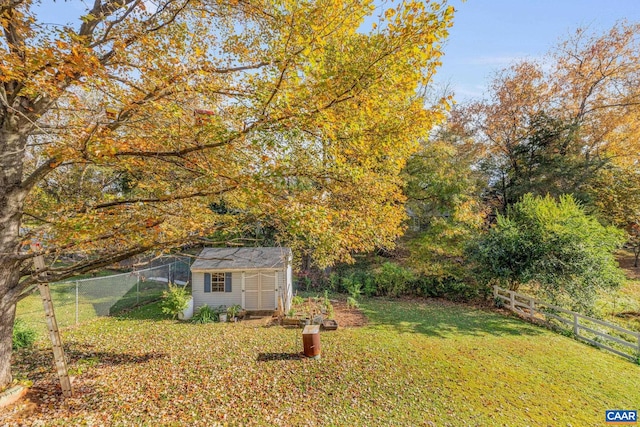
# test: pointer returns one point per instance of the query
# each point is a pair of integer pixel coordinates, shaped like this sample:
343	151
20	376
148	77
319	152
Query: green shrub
297	300
555	246
327	305
352	285
304	282
234	310
369	285
393	279
174	300
364	281
206	314
352	303
23	334
334	282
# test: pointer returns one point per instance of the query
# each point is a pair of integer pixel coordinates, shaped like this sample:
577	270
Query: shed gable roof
241	258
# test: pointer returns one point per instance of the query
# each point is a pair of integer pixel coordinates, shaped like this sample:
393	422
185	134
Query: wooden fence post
512	294
52	325
532	308
575	324
77	302
495	292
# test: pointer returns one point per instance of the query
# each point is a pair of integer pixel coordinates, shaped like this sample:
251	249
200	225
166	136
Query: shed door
260	291
268	291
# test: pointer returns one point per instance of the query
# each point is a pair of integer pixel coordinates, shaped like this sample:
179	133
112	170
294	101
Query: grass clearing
416	363
622	306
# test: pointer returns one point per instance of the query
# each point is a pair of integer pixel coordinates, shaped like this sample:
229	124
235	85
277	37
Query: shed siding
214	299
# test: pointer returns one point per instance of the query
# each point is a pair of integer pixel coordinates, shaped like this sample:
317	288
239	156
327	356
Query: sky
489	35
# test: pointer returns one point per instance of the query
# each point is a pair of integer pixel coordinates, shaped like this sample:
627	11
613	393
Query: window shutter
207	282
227	282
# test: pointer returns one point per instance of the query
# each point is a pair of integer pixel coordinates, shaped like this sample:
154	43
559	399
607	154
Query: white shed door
260	291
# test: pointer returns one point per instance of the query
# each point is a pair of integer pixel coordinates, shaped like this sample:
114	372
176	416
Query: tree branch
163	199
58	274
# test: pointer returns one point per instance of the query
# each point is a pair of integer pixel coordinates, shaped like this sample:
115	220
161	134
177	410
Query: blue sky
488	35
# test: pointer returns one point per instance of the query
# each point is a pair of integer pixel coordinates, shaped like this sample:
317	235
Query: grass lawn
415	363
622	306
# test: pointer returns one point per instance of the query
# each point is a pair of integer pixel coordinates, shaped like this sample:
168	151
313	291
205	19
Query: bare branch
235	69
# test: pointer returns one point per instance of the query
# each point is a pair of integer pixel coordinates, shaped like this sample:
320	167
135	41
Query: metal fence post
77	302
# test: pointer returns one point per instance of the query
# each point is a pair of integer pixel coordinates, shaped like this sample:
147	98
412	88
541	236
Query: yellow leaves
449	12
314	150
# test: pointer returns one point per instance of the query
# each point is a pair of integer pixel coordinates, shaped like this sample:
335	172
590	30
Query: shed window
217	282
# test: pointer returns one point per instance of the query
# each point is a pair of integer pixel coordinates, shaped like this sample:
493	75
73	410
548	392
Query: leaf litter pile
414	364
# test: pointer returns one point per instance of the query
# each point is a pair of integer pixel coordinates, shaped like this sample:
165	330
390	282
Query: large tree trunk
7	316
12	194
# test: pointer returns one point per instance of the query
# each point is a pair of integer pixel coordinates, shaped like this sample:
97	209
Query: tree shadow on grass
443	319
84	355
146	311
271	357
36	363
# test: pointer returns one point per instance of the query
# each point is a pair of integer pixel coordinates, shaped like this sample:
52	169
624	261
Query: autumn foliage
304	116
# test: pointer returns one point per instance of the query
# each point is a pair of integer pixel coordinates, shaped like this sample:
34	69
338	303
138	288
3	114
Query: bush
393	280
233	310
175	300
352	285
352	303
23	335
206	314
553	245
334	282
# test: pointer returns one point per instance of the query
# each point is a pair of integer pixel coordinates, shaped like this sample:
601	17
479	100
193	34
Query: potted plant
222	314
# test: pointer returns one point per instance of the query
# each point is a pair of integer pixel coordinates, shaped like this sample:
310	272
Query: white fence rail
605	335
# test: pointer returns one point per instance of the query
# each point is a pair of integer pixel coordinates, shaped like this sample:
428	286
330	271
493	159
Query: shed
254	278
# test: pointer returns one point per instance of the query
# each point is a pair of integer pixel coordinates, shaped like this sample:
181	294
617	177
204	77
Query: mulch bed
347	317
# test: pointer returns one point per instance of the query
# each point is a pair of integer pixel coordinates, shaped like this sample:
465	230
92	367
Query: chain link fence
80	300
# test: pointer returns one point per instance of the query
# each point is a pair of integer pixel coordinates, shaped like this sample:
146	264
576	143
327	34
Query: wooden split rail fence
624	343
